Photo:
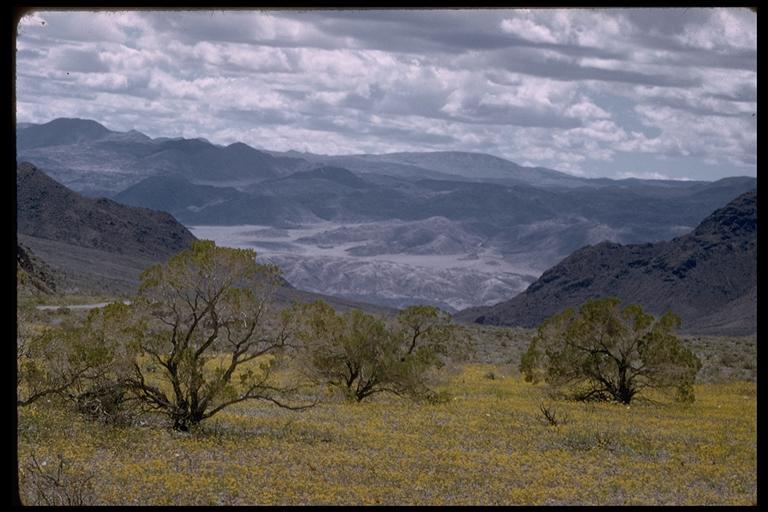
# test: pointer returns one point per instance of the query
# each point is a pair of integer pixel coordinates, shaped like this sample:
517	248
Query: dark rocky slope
708	277
46	209
32	273
73	244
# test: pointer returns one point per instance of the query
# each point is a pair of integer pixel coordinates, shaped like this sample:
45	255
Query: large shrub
606	352
363	356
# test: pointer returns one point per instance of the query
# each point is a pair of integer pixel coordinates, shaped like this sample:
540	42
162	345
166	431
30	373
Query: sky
648	93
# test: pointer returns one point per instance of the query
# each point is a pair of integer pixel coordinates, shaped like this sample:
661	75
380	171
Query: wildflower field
488	444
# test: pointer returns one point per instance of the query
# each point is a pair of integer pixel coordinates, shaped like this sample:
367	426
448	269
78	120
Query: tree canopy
205	341
606	352
363	356
60	361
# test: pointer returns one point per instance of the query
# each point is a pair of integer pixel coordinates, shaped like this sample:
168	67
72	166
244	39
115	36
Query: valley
448	228
355	261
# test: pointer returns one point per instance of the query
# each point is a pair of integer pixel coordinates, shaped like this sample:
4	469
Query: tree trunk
184	421
181	424
624	390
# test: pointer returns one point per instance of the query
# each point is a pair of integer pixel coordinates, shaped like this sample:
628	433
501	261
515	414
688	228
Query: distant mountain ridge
485	166
329	173
72	244
61	131
708	277
89	158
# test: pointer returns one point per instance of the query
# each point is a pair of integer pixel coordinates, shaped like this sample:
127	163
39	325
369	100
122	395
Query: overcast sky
664	93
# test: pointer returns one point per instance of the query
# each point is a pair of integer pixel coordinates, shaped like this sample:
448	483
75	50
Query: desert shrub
206	307
361	355
605	352
552	416
108	403
55	483
58	361
589	438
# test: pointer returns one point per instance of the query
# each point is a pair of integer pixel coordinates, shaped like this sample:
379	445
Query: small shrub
552	416
438	397
609	353
586	440
55	484
363	355
106	403
729	359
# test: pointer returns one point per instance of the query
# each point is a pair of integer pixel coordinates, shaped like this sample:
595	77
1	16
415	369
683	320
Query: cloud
490	109
70	59
649	175
545	63
76	26
573	89
528	29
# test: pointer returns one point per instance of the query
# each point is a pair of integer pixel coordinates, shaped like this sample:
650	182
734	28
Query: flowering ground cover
488	444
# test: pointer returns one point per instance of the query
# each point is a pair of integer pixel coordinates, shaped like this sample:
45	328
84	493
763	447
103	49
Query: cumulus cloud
572	89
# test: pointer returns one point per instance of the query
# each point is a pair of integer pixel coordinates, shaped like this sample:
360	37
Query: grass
488	445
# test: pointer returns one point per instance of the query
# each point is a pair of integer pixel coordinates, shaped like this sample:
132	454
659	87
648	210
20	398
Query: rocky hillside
68	243
32	273
708	277
49	210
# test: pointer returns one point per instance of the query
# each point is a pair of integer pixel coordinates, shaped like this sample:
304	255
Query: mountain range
204	184
70	243
89	158
708	277
89	245
454	229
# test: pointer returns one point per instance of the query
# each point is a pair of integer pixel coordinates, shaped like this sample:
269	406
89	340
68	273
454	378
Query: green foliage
198	320
60	361
605	352
362	355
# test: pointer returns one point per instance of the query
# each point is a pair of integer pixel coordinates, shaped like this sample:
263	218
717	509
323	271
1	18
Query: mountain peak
187	145
241	148
736	219
239	145
77	123
63	130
